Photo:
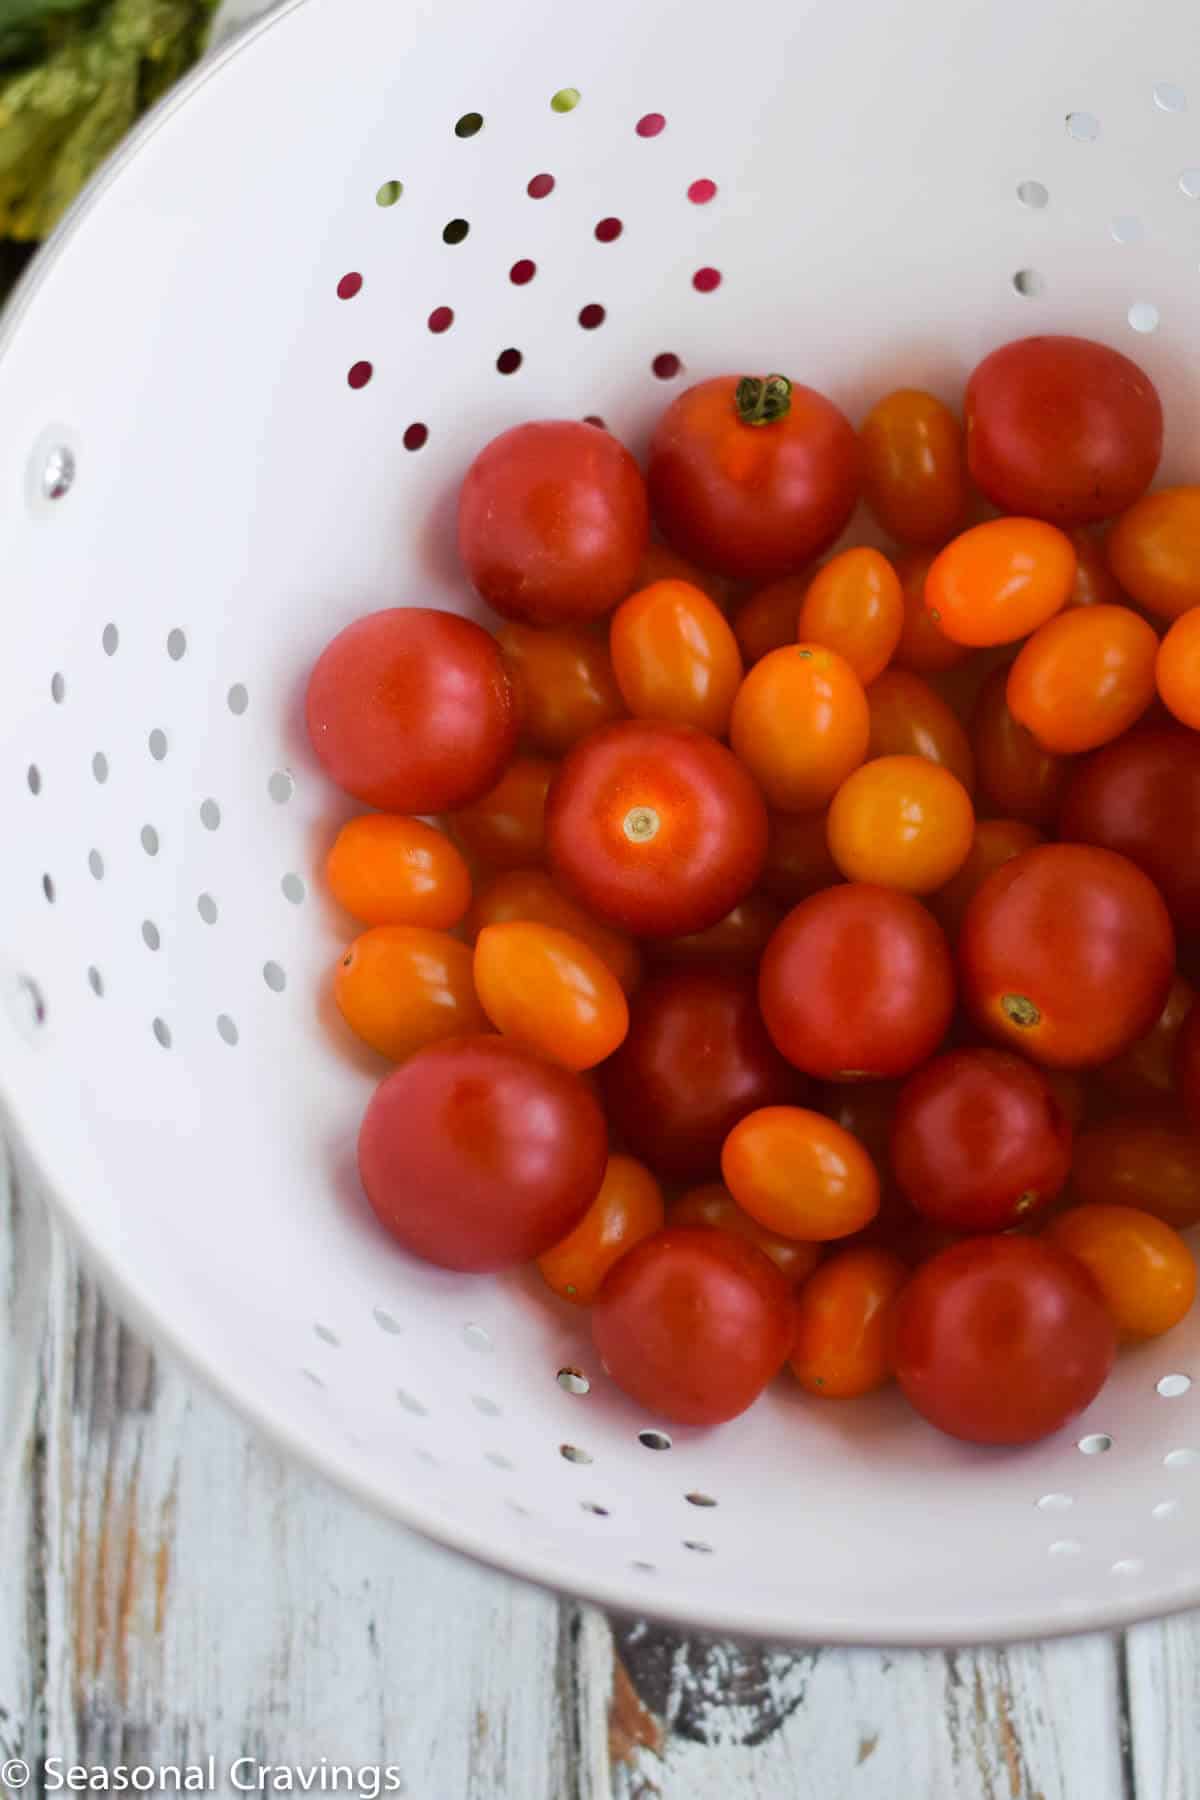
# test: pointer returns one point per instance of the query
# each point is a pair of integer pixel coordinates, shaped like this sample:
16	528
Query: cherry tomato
1066	954
553	522
661	563
696	1060
1084	678
768	620
1062	428
909	719
1071	1092
714	1205
478	1155
924	647
855	605
914	468
1145	1272
399	987
1141	1159
530	894
1141	796
1146	1070
799	862
979	1141
994	842
655	828
628	1208
1177	669
750	477
843	1315
1001	1340
675	657
412	710
1154	551
1187	1066
1017	777
564	684
388	870
550	991
740	937
506	827
692	1324
999	581
902	822
798	1173
857	981
1095	583
800	724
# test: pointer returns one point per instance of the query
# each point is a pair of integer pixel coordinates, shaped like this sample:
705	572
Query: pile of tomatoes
801	975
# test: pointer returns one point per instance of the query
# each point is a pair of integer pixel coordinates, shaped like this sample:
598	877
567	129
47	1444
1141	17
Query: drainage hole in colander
699	1545
1128	1565
1126	229
311	1375
1143	316
1064	1547
487	1407
281	785
162	1032
387	1321
573	1381
609	230
210	815
695	1499
416	435
100	767
666	365
349	285
206	906
654	1440
476	1338
227	1030
359	374
95	981
565	101
1034	194
1084	126
156	743
110	638
706	281
327	1336
388	193
573	1454
539	186
48	888
33	776
596	420
650	124
1096	1443
590	1506
592	315
645	1568
1169	98
1171	1386
275	977
1165	1509
440	319
1181	1459
427	1456
58	687
454	231
509	361
498	1461
522	271
469	125
237	699
1189	183
411	1404
1029	283
150	840
176	644
514	1506
1055	1502
151	936
702	191
292	889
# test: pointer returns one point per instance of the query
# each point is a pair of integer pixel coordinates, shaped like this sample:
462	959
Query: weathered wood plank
1163	1665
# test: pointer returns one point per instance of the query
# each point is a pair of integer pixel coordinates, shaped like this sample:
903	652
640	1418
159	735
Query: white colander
195	494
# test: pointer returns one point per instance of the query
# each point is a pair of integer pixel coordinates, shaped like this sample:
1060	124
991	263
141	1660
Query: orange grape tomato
400	987
855	605
389	870
1177	669
530	894
914	467
739	938
800	725
1143	1268
1083	678
995	842
564	684
769	619
661	563
714	1205
505	829
1017	778
1147	1159
1095	583
1154	551
843	1314
628	1208
1000	581
901	822
1146	1071
675	656
908	718
800	1174
550	992
924	647
799	860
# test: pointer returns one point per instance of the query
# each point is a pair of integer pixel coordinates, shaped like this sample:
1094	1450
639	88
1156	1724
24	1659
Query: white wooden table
171	1590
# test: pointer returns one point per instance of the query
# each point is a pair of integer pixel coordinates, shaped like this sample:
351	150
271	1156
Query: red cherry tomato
769	619
1154	551
1066	954
752	478
563	681
914	469
739	938
1141	797
412	711
999	581
692	1324
799	861
655	828
478	1155
1095	583
979	1141
1145	1159
1187	1068
857	981
1146	1070
908	718
1017	778
675	656
696	1060
1063	429
995	842
1001	1340
840	1345
553	522
505	828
